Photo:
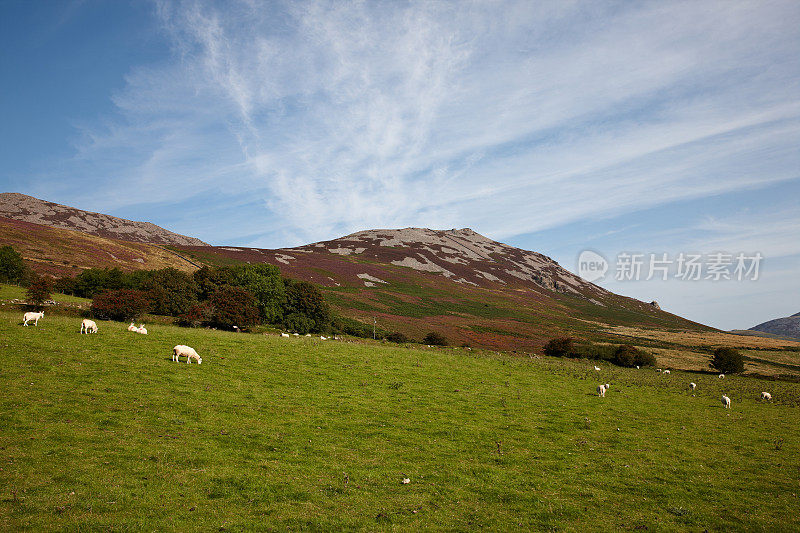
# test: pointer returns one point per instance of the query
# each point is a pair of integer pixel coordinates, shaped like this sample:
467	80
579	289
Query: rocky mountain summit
18	206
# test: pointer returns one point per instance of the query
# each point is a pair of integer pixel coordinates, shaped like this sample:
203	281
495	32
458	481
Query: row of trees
240	295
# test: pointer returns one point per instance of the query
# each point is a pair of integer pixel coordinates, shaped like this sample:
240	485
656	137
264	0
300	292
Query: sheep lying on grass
726	402
766	396
141	329
186	351
132	328
88	326
32	316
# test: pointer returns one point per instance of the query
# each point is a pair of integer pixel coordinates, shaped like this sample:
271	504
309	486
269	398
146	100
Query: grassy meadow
104	431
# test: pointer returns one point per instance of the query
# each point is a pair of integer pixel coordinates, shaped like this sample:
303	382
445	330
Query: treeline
241	296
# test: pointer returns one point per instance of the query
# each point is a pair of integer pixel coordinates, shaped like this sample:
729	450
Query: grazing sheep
285	335
766	396
666	371
132	328
658	370
188	352
597	369
692	386
637	367
721	376
726	402
32	316
88	326
601	391
141	329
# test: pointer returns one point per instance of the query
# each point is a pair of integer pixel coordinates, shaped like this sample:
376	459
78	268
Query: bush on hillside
630	356
96	280
727	361
12	268
397	337
233	306
197	315
38	290
122	304
560	347
434	339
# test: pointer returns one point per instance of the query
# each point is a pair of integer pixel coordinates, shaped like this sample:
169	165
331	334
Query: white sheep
601	391
141	329
766	396
597	369
721	376
692	386
88	326
726	402
637	367
666	371
285	335
658	370
32	316
323	338
132	328
186	351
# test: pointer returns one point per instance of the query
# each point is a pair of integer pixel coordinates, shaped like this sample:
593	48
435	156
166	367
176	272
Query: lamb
88	326
726	402
601	391
132	328
188	352
32	316
141	329
692	386
766	396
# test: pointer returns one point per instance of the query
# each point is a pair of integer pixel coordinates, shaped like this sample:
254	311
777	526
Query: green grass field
105	432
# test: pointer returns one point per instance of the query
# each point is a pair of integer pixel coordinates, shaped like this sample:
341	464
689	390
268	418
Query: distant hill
29	209
785	327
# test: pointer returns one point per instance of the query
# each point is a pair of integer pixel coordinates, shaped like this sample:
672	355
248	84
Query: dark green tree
264	282
305	309
171	291
12	267
727	361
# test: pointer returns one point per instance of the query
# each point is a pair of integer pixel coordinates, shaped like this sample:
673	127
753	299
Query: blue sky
656	127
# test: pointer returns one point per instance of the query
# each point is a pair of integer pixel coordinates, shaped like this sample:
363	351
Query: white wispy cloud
510	117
